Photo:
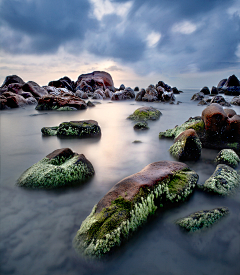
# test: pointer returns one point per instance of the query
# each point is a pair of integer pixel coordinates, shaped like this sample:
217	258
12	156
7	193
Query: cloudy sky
186	43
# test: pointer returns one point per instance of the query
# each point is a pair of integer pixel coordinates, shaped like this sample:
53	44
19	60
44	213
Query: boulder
81	94
140	95
12	79
221	83
99	94
122	87
187	146
145	113
141	126
176	91
228	157
51	102
236	101
233	128
223	181
34	89
97	79
64	82
3	102
214	90
220	100
232	81
60	168
129	204
136	89
14	100
198	96
202	219
229	112
205	90
108	93
127	93
81	129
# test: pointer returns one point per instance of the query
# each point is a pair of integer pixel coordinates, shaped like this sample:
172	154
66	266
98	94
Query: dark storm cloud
47	24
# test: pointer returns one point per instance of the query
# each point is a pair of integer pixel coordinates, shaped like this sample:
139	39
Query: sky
185	43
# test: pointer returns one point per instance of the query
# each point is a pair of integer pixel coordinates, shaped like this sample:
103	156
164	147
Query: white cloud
153	38
104	7
238	51
185	27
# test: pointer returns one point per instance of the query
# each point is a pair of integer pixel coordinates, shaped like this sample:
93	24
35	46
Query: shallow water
37	227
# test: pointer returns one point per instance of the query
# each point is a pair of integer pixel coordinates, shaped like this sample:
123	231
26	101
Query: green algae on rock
223	181
228	157
145	113
187	146
141	126
60	168
82	129
202	219
129	204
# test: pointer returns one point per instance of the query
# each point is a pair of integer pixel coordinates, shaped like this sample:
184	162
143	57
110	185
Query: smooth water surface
37	226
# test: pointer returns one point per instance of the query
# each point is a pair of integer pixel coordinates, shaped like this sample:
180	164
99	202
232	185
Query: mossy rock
187	146
66	108
202	219
145	113
60	168
228	157
223	181
141	126
129	204
82	129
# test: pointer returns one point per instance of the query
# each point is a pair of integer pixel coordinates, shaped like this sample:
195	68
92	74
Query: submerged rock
130	202
145	113
228	157
187	146
60	168
223	181
202	219
141	126
82	129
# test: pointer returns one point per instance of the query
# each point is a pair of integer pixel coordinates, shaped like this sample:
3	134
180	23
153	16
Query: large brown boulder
34	89
12	79
130	202
14	100
97	79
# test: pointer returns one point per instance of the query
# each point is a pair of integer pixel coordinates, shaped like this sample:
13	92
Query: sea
37	227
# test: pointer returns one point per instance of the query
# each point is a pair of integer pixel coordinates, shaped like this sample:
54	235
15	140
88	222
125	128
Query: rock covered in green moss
130	202
141	126
67	108
60	168
223	181
84	128
195	123
187	146
202	219
145	113
228	157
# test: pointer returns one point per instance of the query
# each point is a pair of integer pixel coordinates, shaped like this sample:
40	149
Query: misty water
37	226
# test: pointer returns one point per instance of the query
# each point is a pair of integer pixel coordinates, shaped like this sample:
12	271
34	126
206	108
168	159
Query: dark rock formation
60	168
214	90
129	203
127	93
198	96
205	90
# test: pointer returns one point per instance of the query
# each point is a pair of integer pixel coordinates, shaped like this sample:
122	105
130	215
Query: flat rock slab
60	168
130	202
202	219
82	129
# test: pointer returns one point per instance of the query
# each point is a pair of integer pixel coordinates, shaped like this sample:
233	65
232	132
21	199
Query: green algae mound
60	168
202	219
82	129
228	157
129	204
223	181
145	113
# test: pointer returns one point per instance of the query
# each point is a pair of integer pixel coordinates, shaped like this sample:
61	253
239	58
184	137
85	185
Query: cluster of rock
161	92
230	86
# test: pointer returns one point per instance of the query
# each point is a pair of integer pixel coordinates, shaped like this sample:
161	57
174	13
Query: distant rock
122	87
140	95
205	90
12	79
214	90
198	96
64	82
60	168
232	81
230	86
145	113
220	100
136	89
141	126
127	93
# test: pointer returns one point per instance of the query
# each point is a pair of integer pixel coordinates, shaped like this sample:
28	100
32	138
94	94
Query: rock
97	79
198	96
141	126
31	101
215	119
12	79
229	112
145	113
99	94
221	83
236	101
175	91
60	168
187	146
34	89
205	90
51	102
202	102
108	93
140	95
81	94
234	90
82	129
129	204
228	157
214	91
58	91
232	131
149	98
220	100
122	87
223	181
64	82
136	89
66	108
202	219
14	100
137	141
127	93
3	102
232	81
90	104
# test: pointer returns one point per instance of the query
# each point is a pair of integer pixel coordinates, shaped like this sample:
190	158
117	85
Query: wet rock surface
129	203
145	113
